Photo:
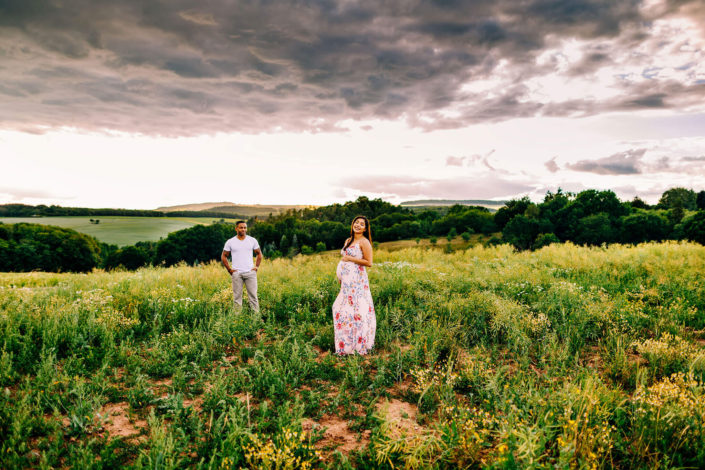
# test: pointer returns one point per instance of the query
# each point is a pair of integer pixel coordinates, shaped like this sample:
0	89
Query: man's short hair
240	222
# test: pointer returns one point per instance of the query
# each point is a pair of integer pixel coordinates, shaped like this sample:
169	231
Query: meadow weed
564	357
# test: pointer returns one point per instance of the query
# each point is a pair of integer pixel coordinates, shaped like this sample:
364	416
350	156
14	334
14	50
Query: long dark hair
367	233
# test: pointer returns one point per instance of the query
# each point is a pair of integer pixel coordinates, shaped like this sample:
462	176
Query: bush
30	247
521	232
129	257
594	229
694	227
643	226
200	243
494	241
545	239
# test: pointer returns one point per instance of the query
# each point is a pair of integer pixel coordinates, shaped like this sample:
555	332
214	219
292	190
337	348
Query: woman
353	312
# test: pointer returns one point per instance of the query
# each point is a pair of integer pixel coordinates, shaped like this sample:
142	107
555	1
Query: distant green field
120	231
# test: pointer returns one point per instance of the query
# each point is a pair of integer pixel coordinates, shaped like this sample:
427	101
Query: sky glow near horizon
141	105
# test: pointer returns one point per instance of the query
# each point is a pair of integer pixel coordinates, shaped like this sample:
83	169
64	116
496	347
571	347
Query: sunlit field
566	357
119	231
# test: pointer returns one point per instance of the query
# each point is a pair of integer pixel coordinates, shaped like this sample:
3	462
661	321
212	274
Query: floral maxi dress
353	312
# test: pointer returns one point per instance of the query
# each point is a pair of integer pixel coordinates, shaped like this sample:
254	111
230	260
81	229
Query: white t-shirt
241	252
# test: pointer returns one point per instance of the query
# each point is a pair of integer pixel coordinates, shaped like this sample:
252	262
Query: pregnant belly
339	270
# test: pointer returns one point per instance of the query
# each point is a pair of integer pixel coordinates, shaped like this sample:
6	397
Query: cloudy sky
145	103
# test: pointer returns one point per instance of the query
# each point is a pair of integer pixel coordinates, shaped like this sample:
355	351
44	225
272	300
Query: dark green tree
200	243
510	209
683	197
128	257
643	226
694	227
638	203
595	229
521	232
30	247
544	239
700	200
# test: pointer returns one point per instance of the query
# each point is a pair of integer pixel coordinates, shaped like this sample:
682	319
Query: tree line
35	247
594	217
325	228
25	210
589	217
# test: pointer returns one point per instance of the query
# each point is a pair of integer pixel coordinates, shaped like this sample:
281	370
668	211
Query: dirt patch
337	435
119	373
511	365
593	359
401	389
637	359
163	382
161	387
389	350
196	403
231	359
400	417
320	354
537	370
117	422
403	347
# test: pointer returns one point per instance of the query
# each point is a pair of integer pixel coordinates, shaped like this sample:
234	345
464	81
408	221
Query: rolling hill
232	208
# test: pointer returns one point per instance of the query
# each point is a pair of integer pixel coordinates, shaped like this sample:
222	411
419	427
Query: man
243	270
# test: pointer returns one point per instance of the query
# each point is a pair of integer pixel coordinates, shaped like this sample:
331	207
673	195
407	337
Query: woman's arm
366	259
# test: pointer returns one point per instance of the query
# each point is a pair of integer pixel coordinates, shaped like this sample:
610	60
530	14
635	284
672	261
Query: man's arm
224	259
258	252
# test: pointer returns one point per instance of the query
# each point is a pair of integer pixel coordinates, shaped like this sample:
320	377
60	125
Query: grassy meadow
567	357
119	231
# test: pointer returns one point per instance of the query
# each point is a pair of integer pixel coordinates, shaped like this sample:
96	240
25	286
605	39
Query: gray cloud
179	68
455	161
622	163
551	165
487	186
471	160
688	165
634	161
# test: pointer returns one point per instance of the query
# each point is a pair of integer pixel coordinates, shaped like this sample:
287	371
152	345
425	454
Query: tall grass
564	357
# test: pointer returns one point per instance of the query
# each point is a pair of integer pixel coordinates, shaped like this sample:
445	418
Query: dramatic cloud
182	68
483	187
623	163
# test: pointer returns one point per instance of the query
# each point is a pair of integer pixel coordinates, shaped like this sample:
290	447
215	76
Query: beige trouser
249	278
